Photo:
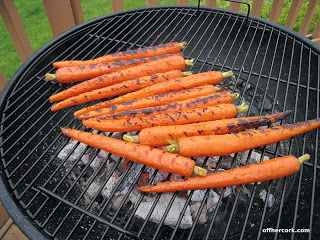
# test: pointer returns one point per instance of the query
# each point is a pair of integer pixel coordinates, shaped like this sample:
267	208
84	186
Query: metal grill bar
41	172
316	153
74	206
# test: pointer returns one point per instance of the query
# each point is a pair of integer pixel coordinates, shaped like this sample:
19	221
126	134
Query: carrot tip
185	74
183	44
235	96
64	129
227	74
173	147
304	158
189	62
200	171
50	77
243	107
131	138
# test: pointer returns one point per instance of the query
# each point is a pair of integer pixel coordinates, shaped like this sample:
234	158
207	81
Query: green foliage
38	29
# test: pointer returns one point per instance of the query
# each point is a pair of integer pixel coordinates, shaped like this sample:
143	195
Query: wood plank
234	6
77	11
211	3
256	8
316	31
60	15
317	41
3	214
293	13
308	17
276	10
116	5
3	82
15	28
182	2
5	228
14	233
152	2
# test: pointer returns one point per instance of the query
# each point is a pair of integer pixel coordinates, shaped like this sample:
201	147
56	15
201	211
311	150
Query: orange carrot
162	49
156	100
161	65
179	84
236	142
256	172
158	136
152	157
183	117
199	102
84	72
119	88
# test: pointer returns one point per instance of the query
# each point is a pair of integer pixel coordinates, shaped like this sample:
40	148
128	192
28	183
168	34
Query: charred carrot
158	136
162	49
236	142
199	102
161	65
256	172
152	157
119	88
183	117
179	84
156	100
84	72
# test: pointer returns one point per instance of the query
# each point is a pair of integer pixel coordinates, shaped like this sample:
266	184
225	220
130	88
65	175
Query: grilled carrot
158	136
199	102
156	100
162	49
152	157
236	142
183	117
256	172
119	88
161	65
179	84
84	72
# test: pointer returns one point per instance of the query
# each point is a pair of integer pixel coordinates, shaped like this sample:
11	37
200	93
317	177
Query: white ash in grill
268	198
213	200
159	210
115	180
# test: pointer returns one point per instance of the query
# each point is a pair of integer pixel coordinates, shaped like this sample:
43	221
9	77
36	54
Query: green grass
38	29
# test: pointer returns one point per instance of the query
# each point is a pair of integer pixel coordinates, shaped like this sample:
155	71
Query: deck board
8	230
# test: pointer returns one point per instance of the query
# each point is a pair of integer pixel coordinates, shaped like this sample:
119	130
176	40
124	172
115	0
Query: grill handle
240	2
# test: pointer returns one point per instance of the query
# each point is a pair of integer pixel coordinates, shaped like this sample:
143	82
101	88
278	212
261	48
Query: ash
112	180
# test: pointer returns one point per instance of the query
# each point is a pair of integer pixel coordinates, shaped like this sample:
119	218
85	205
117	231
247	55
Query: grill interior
60	185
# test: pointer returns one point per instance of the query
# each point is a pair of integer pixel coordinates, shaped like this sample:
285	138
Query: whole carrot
152	157
162	49
236	142
161	65
156	100
119	88
257	172
179	84
84	72
199	102
158	136
183	117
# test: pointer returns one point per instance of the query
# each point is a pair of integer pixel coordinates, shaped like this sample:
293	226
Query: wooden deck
8	230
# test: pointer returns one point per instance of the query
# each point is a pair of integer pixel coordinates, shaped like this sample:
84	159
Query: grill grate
275	70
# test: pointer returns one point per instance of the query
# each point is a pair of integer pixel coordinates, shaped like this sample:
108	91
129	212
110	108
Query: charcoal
213	200
173	214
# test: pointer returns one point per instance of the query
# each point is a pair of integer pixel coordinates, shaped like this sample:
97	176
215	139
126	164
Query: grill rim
20	218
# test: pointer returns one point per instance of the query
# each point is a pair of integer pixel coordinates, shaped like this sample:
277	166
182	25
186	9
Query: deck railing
64	14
